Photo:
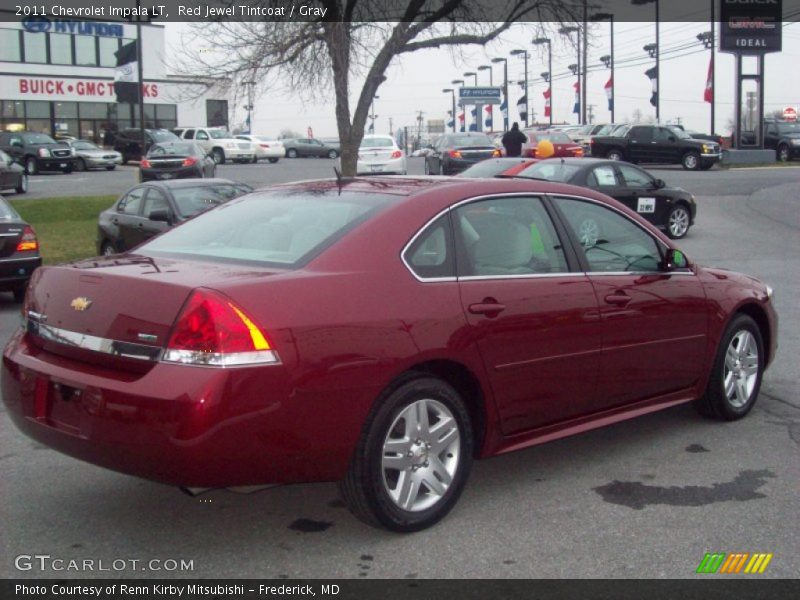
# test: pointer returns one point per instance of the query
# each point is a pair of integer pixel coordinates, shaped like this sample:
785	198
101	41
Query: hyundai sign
750	26
43	25
479	95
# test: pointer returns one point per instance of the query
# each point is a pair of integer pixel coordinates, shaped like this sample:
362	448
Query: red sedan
562	144
381	333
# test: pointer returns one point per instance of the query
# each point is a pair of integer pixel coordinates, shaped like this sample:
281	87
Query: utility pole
391	132
591	114
419	128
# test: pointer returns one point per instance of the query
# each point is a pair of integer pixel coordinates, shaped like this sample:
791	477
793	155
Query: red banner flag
708	94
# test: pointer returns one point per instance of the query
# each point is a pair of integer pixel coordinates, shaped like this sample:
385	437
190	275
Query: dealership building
57	77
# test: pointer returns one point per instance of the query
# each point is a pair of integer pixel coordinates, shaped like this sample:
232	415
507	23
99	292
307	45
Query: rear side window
430	255
189	135
283	228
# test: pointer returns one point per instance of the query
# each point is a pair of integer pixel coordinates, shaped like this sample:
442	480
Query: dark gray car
298	147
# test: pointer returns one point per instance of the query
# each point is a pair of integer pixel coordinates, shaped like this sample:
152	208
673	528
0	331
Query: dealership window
93	110
10	109
85	50
166	116
35	45
108	46
37	109
65	110
60	49
217	113
10	48
39	126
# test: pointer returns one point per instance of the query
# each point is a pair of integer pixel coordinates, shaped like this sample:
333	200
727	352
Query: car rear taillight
212	331
188	162
397	154
497	153
455	154
28	242
145	164
578	152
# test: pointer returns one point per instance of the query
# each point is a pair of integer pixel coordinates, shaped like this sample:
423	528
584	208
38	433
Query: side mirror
674	259
659	184
161	215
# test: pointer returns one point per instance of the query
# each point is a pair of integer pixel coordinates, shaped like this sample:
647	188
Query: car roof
192	182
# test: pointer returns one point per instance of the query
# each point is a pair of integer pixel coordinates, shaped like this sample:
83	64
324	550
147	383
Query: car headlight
796	142
44	153
706	149
770	291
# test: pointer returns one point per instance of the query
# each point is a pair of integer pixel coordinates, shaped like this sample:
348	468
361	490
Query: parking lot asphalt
644	498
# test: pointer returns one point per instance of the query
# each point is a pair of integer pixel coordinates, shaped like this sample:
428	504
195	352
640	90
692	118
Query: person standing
513	140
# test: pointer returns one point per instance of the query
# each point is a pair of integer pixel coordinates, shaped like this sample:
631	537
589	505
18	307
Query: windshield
680	133
163	136
39	138
178	148
219	134
194	200
605	129
460	141
377	143
282	228
785	128
84	146
551	170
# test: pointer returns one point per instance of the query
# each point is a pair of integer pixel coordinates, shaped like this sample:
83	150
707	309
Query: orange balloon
545	149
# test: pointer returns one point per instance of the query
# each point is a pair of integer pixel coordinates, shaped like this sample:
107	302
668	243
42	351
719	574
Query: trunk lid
10	236
476	152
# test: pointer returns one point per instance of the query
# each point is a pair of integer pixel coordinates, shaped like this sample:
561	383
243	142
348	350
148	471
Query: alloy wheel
691	161
678	222
740	370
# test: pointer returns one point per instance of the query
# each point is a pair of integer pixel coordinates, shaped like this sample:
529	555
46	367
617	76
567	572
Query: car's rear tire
80	165
407	472
218	155
678	221
691	161
333	154
615	155
108	249
273	160
31	165
22	186
735	378
783	154
291	153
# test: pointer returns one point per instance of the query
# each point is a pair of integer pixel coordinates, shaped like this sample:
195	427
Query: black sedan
19	251
12	175
150	208
176	160
454	152
668	208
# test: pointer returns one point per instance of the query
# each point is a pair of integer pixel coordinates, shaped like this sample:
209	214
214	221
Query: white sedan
266	147
380	154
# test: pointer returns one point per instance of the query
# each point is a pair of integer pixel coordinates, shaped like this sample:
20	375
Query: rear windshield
163	136
194	200
550	170
182	149
377	143
488	168
556	137
7	213
461	141
281	228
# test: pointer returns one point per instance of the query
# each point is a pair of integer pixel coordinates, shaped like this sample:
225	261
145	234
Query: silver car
92	156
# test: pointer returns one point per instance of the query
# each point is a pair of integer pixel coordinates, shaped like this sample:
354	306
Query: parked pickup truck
658	144
218	143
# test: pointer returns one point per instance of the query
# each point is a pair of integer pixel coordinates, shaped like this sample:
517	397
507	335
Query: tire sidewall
716	385
676	208
685	161
390	515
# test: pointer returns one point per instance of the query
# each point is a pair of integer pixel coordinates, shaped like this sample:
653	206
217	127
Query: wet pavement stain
637	495
310	526
694	448
5	456
410	575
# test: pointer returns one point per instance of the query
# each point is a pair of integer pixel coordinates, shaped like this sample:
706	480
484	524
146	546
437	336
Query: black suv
784	138
38	152
128	141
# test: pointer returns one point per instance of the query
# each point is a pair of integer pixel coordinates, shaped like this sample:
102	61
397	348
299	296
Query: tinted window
460	141
85	50
130	204
163	136
508	236
551	170
194	200
39	138
284	228
189	135
9	45
185	149
155	200
611	243
377	143
641	134
636	178
785	128
431	254
7	213
60	49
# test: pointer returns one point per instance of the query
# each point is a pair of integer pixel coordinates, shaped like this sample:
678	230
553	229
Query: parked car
218	143
176	160
305	147
669	208
658	144
784	138
454	152
380	154
19	251
712	137
37	152
265	147
380	332
128	141
91	156
498	167
12	175
151	208
562	144
332	142
584	134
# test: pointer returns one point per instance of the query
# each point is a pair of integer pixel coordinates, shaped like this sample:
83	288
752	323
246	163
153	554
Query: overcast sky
415	81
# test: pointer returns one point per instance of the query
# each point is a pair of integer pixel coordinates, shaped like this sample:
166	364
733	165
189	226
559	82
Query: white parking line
50	179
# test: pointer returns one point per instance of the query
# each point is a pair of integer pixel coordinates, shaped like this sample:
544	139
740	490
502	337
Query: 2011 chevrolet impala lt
382	333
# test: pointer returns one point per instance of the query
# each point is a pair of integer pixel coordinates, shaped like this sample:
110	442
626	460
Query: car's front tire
691	161
783	154
80	165
333	154
615	155
218	155
736	375
31	165
22	186
291	153
111	167
678	221
273	160
414	456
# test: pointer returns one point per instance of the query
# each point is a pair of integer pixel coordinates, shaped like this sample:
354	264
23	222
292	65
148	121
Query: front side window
611	243
130	204
636	178
430	256
507	236
154	201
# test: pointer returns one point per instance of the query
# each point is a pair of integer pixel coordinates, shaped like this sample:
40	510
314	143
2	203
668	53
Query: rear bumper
183	173
103	162
238	154
180	425
396	166
16	271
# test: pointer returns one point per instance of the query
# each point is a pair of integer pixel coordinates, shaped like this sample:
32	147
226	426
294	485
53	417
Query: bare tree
355	39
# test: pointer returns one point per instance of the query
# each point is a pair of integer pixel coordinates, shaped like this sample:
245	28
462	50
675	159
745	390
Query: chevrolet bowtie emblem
80	304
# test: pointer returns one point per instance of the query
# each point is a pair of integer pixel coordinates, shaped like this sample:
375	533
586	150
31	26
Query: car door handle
618	298
487	307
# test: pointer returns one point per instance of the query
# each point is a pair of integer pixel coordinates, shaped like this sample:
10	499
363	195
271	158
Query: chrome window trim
405	248
638	273
523	276
20	258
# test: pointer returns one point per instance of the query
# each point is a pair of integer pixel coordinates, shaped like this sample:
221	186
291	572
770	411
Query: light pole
491	84
539	42
608	59
505	88
566	31
525	56
373	116
461	83
453	93
707	39
654	52
474	75
249	107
